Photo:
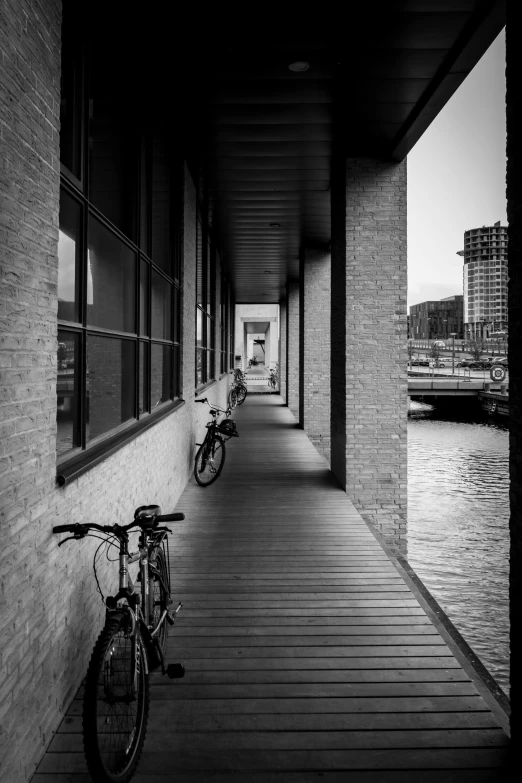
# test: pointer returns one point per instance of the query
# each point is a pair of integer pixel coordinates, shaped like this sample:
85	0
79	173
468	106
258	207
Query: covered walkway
307	653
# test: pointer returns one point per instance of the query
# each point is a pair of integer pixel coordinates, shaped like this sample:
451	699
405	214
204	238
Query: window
225	324
119	260
205	305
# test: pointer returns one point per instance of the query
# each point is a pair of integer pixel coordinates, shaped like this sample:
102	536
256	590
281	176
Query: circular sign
497	372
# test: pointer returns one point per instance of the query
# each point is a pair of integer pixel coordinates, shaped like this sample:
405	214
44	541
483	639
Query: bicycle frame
137	606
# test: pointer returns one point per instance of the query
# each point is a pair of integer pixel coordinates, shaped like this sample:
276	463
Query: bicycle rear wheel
209	461
115	704
232	398
241	391
159	598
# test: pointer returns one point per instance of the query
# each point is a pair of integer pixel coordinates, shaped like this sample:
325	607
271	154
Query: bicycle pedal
175	671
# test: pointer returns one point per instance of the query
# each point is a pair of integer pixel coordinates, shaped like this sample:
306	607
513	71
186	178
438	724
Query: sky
456	179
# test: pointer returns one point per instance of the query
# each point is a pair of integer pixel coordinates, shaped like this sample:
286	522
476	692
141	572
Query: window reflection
144	378
68	256
111	367
110	280
144	297
67	392
161	374
161	308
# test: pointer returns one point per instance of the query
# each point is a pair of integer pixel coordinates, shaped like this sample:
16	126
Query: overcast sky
456	179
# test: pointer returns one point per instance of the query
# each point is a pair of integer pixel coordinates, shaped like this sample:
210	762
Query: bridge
452	387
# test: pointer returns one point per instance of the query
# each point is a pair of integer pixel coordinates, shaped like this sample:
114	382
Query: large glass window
119	296
224	321
205	306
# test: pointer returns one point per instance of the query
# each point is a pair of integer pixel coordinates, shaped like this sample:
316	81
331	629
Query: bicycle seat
147	512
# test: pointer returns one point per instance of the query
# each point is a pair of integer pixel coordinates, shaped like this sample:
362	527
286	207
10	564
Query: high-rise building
437	319
485	279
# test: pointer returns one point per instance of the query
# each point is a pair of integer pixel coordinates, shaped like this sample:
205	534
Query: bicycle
238	392
133	639
210	456
274	377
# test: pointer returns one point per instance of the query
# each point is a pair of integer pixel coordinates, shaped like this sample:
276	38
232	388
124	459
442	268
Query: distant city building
437	320
485	278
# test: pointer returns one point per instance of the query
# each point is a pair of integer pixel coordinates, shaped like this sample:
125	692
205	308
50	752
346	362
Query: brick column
293	348
369	383
282	351
314	310
31	579
514	214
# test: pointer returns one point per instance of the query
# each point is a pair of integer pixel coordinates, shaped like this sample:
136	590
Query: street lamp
453	335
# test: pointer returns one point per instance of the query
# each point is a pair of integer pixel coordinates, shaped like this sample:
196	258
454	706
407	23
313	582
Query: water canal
458	535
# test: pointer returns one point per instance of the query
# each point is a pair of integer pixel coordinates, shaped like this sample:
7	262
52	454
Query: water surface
458	536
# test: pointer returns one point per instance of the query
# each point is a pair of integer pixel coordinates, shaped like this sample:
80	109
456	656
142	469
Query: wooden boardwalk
308	657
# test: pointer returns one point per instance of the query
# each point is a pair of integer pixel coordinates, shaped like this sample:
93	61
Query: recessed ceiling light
274	225
299	67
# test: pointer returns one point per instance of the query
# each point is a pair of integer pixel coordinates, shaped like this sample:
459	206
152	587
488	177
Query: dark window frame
75	185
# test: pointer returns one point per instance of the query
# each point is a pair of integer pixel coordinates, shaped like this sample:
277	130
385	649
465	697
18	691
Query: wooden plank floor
308	657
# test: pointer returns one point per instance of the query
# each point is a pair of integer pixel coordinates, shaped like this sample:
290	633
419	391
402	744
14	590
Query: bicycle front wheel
115	704
159	598
241	393
209	461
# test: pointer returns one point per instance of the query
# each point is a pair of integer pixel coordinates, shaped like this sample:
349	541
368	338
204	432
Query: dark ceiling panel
267	131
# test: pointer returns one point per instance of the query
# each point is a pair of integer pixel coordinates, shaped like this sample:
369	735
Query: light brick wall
369	404
315	348
283	352
293	348
51	612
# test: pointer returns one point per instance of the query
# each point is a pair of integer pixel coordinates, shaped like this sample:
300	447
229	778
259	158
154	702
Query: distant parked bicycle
210	457
274	377
134	638
238	392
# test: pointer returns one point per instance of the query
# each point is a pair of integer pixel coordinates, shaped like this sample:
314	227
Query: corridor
307	654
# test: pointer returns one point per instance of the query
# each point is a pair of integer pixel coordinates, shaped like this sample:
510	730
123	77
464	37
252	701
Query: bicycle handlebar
77	528
215	409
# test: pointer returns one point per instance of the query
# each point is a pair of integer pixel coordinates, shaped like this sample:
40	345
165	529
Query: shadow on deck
308	656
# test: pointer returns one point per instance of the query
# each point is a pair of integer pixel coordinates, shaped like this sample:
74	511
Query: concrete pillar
293	348
514	215
282	351
369	355
314	311
268	352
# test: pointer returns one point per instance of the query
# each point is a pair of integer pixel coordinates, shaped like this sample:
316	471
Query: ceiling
375	82
261	137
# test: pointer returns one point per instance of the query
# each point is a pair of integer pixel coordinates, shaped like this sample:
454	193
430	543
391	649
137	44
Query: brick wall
293	348
514	212
315	348
370	401
282	352
51	612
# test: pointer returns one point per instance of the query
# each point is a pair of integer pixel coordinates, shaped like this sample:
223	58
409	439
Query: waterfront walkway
308	656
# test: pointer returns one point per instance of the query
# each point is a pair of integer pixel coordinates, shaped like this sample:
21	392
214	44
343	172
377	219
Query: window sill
204	387
71	469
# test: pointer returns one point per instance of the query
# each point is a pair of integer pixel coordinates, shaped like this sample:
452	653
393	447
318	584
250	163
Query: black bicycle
210	456
238	392
133	640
